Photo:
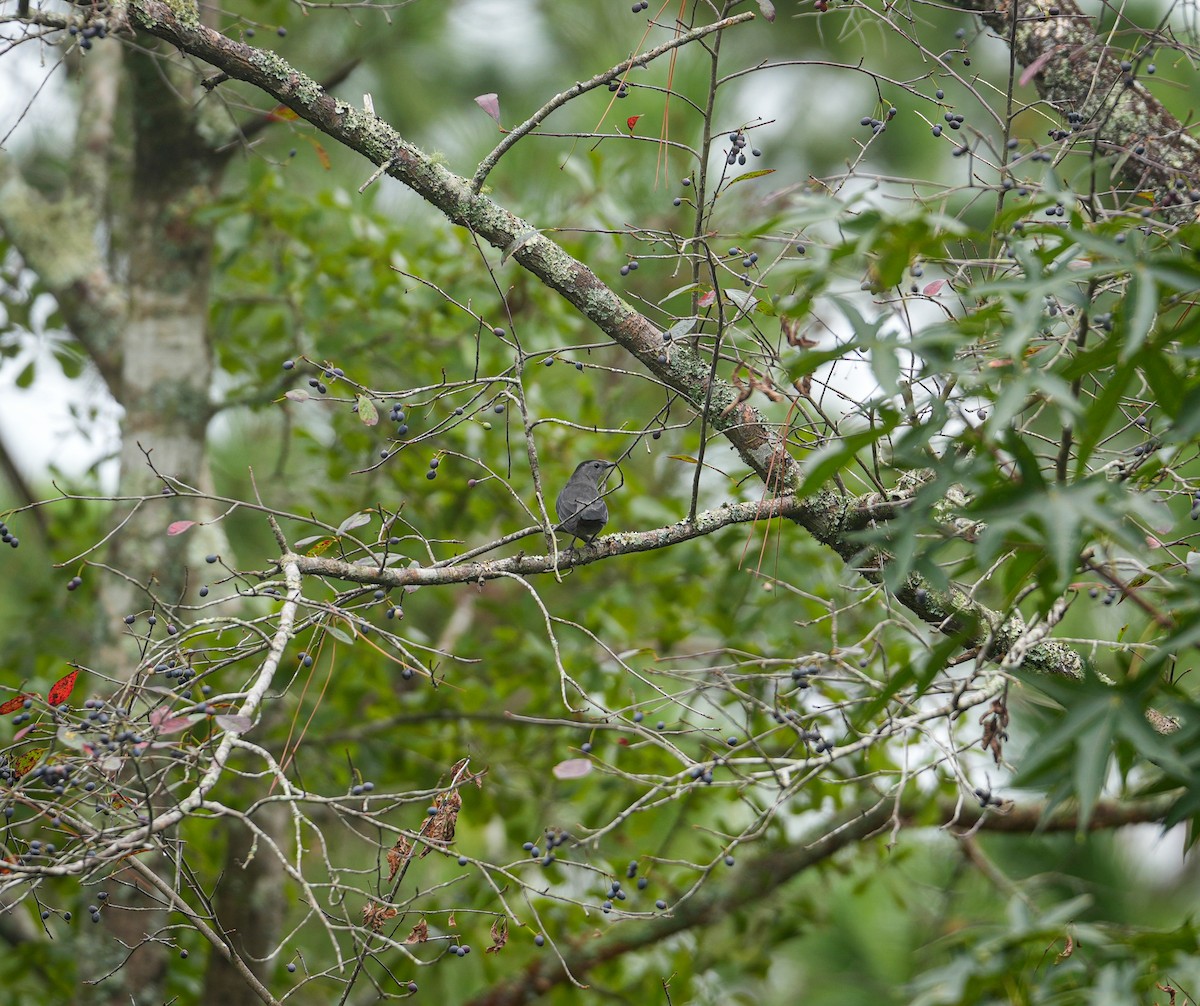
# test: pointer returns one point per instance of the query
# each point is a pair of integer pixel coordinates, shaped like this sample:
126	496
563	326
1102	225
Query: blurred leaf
572	768
355	520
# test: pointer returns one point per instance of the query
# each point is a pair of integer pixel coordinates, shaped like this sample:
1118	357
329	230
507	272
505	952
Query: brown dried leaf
374	916
419	934
1067	951
440	831
499	935
790	328
396	856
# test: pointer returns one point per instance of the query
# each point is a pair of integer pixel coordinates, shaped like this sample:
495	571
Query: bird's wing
595	509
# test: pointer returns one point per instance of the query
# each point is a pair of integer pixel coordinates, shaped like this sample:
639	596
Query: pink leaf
572	768
164	721
173	724
1034	68
179	526
708	299
934	288
490	103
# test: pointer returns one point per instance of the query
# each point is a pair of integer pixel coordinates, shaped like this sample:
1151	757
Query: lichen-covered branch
682	369
831	519
1099	92
827	515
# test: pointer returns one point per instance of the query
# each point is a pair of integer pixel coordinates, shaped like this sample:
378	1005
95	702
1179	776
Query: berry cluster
87	33
554	838
737	149
878	125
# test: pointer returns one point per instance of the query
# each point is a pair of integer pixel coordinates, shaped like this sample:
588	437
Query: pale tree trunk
131	272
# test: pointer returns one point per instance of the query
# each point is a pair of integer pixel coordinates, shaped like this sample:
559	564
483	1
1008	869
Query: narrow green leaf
1097	418
1188	424
1141	305
748	175
340	634
1092	751
823	464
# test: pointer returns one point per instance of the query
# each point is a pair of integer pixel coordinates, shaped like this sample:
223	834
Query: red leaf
15	703
631	122
490	103
62	689
934	288
707	299
179	526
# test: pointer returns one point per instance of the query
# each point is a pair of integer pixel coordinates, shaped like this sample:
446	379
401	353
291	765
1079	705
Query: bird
581	511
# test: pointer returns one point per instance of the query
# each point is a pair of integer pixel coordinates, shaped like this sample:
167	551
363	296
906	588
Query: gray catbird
581	511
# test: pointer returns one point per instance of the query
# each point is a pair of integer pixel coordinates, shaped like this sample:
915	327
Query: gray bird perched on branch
581	511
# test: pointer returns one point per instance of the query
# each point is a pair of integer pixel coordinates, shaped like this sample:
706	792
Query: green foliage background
307	267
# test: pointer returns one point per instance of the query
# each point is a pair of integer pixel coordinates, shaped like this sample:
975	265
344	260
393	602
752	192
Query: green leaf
917	673
355	520
340	634
1188	425
826	462
1141	305
748	175
367	413
1096	421
1092	751
1166	384
25	378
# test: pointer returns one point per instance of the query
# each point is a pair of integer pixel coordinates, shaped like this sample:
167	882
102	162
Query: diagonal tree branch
683	369
824	513
756	883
